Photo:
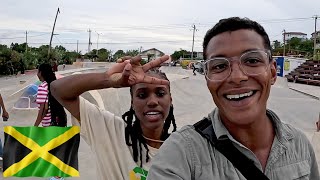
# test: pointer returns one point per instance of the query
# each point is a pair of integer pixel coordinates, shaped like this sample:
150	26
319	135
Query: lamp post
52	33
98	42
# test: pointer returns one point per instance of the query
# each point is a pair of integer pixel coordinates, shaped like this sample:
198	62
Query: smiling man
239	71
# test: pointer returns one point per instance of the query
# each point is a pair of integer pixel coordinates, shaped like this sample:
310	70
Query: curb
310	95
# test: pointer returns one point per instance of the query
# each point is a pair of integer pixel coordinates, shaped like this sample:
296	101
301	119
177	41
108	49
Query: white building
150	54
290	35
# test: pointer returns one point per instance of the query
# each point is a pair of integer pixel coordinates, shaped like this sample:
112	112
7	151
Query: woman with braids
51	112
123	147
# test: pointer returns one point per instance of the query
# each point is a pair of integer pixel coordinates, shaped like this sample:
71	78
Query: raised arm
4	113
127	72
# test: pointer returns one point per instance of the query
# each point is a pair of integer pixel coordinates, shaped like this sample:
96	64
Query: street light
98	42
52	33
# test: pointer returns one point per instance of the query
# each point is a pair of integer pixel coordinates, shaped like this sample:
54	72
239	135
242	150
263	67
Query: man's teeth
237	96
152	113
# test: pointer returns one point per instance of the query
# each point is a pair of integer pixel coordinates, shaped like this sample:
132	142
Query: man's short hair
233	24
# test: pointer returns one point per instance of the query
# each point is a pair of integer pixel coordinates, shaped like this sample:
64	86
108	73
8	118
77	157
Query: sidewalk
309	90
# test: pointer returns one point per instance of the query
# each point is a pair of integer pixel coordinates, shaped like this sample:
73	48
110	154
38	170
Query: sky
134	24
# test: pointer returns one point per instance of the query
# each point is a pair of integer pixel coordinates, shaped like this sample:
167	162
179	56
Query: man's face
254	89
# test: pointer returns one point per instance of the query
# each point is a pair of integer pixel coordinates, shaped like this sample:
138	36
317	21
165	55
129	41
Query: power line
58	40
24	36
133	42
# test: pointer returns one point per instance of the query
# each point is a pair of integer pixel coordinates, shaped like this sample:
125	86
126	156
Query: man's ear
273	69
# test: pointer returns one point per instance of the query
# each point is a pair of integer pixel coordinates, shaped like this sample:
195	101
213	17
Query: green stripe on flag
41	152
41	168
42	135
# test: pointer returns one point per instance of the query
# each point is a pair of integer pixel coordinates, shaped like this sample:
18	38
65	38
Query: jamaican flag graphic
41	152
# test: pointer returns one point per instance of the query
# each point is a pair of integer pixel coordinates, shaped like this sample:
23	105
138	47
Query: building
289	35
196	55
150	54
317	39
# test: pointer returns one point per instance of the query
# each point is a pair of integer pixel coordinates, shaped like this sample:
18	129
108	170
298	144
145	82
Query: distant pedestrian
51	111
5	116
318	123
22	66
193	69
55	66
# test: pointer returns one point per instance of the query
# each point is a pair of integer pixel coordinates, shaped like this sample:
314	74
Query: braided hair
57	110
133	129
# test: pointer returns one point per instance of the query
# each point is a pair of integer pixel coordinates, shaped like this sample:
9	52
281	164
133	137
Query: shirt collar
283	133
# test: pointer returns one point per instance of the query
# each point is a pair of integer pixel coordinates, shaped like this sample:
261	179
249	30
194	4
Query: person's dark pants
1	149
194	69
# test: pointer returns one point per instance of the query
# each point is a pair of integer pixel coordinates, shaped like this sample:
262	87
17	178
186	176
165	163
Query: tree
20	48
133	52
69	57
61	48
104	54
3	47
5	55
276	44
15	56
30	59
118	54
179	54
294	43
307	46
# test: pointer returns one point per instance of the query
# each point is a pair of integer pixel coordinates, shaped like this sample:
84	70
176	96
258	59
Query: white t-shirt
105	134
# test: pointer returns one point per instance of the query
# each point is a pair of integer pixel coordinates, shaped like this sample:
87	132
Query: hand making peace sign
128	71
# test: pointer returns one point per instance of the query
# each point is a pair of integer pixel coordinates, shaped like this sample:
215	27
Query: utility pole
89	45
97	43
284	42
77	46
26	41
194	29
315	37
52	33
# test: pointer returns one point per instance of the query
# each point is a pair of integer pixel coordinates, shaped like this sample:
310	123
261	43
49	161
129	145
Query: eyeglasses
251	63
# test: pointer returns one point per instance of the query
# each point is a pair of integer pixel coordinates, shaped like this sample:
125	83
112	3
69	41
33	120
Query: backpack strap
225	147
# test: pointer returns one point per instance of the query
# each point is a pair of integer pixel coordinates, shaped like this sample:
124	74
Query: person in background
5	114
318	123
55	66
193	68
51	112
5	117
